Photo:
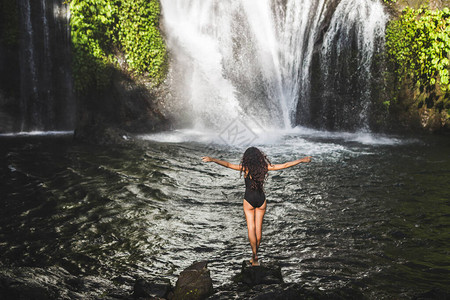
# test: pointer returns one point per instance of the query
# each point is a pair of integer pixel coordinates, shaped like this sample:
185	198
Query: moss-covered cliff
119	61
418	65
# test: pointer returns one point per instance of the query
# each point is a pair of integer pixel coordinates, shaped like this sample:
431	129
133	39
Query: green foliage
103	28
140	37
92	30
418	47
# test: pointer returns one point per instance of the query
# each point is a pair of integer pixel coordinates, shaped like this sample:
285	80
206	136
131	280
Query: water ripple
377	216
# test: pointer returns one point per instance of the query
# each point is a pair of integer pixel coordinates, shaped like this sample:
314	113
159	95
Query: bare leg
259	216
250	217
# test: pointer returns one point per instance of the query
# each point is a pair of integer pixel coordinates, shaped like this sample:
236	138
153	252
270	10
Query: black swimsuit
255	198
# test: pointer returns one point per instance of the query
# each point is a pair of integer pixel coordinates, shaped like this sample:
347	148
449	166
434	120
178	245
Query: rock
194	283
399	5
266	273
101	134
126	107
159	288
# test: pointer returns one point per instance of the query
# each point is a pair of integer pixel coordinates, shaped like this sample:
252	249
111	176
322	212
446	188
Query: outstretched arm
306	159
222	163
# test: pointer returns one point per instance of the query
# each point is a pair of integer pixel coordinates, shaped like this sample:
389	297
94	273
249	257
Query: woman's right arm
222	163
306	159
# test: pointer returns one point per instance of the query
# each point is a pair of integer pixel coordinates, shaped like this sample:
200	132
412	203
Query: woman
255	166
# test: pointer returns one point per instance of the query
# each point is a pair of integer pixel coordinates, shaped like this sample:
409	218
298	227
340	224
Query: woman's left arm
222	163
288	164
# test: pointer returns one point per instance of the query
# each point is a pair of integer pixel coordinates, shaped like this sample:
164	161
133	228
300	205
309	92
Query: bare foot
254	261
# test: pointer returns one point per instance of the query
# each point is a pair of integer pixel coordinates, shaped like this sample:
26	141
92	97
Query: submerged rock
266	273
159	288
194	283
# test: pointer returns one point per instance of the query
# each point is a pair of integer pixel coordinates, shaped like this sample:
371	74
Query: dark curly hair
256	163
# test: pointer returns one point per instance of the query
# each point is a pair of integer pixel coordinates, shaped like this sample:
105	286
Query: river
370	211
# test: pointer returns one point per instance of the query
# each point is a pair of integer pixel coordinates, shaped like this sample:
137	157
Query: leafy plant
101	29
141	39
418	47
92	31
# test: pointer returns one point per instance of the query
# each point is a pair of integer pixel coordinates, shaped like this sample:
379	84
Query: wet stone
266	273
194	283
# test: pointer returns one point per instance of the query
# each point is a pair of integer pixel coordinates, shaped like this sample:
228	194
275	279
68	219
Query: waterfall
28	79
46	95
299	29
273	63
347	58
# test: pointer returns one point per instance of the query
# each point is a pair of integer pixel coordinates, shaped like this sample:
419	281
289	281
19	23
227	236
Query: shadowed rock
194	283
159	288
266	273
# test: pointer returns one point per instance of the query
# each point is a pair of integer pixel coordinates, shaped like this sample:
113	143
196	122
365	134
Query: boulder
194	283
266	273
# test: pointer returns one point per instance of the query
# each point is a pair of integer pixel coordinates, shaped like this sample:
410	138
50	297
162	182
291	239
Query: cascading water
46	95
28	79
298	22
347	64
273	63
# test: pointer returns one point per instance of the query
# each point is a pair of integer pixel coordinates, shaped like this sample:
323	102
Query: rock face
266	273
408	112
126	107
194	283
399	5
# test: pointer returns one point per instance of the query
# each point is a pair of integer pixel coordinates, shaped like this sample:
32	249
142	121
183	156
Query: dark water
373	212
